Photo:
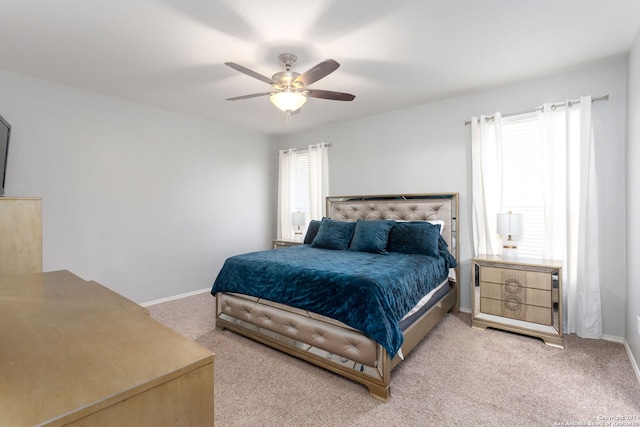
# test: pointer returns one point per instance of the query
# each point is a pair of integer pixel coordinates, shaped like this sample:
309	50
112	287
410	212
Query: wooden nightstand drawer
531	296
524	278
515	309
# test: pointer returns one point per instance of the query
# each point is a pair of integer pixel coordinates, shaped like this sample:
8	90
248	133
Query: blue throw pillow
450	260
312	230
419	237
371	236
333	234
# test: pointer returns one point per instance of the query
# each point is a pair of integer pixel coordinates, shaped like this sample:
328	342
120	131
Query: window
523	180
302	199
523	184
303	183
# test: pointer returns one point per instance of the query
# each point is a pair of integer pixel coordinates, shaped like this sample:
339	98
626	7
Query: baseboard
612	338
188	294
634	363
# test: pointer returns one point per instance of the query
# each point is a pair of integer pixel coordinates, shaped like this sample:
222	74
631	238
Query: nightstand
283	243
519	295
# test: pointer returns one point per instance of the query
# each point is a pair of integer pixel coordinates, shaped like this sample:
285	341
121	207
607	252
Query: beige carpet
457	376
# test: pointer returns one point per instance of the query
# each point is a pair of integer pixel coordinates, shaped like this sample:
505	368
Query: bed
356	308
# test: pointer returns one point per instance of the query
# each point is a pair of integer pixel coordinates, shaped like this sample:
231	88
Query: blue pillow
312	230
371	236
419	237
443	250
333	234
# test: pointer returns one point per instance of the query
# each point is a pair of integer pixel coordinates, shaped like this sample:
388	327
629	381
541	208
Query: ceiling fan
291	89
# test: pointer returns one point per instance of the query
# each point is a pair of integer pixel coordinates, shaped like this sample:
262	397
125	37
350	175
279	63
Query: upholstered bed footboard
336	340
339	349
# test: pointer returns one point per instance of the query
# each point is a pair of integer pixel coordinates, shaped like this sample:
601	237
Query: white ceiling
393	54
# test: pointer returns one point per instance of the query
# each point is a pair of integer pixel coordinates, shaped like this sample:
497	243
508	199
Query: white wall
633	202
427	149
147	202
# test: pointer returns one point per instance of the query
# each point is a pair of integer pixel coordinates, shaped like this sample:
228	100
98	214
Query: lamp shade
297	219
510	224
288	101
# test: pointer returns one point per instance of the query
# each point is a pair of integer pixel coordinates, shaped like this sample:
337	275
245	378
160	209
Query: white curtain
318	179
286	194
486	165
571	211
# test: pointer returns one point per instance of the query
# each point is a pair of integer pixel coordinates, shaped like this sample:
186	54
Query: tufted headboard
401	207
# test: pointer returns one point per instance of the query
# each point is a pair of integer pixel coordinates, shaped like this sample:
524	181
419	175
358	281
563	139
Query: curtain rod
328	144
600	98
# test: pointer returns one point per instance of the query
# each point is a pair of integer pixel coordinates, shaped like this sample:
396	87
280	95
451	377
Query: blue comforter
369	292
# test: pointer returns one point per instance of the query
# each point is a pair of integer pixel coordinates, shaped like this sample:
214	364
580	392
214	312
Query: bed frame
333	345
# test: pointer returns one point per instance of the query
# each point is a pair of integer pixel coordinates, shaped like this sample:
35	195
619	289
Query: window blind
523	181
302	197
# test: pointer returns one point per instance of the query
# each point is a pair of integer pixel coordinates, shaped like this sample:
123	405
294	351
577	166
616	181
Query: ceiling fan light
288	101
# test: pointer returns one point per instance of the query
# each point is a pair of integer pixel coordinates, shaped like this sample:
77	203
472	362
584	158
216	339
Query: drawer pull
512	285
512	303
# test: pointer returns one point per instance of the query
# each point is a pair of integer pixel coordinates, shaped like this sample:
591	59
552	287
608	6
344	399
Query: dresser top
534	262
68	346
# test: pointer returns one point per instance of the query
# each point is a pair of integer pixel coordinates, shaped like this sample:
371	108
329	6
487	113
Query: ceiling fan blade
249	72
321	70
327	94
253	95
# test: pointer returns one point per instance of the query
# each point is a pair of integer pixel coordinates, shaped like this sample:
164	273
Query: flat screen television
5	134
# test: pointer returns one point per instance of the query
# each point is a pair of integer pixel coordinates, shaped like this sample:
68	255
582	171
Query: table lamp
298	220
510	225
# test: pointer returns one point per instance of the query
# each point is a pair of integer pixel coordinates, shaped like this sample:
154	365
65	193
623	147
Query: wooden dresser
20	236
74	353
519	295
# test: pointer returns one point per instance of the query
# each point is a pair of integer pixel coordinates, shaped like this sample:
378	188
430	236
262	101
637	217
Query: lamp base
510	251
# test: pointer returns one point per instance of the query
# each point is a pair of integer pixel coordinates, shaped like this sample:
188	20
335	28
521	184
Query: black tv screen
5	134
